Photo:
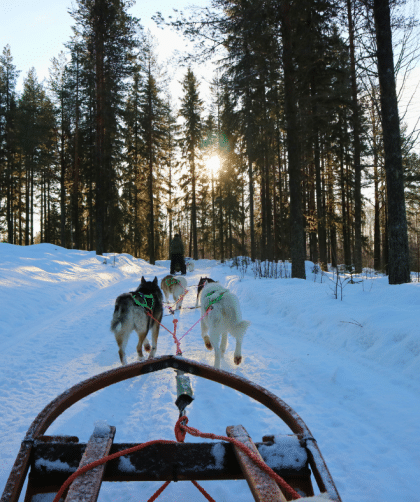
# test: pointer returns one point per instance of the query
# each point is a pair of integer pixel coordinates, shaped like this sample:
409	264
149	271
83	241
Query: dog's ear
143	280
155	281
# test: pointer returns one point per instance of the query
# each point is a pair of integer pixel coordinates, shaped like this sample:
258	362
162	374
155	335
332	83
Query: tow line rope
176	340
181	430
175	281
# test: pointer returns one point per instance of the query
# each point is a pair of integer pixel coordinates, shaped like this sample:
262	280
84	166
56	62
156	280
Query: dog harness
143	300
170	281
216	299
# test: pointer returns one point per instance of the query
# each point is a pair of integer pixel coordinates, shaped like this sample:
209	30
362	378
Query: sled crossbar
161	462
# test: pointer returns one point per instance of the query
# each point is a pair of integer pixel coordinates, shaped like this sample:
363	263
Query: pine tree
191	109
108	32
399	262
34	135
8	76
61	95
154	130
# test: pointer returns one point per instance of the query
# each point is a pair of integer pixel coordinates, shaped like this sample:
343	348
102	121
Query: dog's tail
240	328
117	318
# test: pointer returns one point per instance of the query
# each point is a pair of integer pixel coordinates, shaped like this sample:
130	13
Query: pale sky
36	31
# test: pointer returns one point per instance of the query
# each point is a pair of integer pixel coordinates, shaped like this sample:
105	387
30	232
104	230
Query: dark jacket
176	246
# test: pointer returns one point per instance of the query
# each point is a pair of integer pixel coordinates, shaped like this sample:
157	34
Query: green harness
143	300
216	299
171	280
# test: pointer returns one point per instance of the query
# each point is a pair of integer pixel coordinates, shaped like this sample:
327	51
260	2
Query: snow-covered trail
56	326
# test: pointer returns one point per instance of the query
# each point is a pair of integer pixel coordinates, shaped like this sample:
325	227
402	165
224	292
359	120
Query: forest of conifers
105	160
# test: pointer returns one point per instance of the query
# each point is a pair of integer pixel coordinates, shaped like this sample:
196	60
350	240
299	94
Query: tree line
297	120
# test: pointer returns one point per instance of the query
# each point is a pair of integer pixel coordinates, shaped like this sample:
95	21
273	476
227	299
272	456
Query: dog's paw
237	359
147	347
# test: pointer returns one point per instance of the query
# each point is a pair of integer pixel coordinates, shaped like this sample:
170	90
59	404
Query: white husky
190	266
175	286
225	315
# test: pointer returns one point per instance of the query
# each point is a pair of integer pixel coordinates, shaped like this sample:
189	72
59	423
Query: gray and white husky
175	286
225	316
130	314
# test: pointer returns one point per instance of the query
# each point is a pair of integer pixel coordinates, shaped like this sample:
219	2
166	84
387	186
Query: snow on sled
53	459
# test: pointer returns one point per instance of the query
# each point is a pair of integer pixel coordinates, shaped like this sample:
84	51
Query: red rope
202	490
158	492
180	432
206	313
103	460
181	429
178	342
138	447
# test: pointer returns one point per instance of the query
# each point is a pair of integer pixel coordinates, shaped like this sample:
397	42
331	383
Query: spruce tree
108	32
398	253
154	130
191	109
8	76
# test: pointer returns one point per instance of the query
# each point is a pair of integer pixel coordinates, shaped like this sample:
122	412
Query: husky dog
201	284
130	314
190	265
225	315
175	286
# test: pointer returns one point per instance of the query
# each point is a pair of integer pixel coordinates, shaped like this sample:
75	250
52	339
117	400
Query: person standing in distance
176	251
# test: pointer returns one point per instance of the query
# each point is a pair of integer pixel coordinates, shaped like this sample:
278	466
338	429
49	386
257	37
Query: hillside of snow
349	368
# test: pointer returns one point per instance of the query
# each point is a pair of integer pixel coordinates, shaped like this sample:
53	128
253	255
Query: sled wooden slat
182	461
263	488
85	488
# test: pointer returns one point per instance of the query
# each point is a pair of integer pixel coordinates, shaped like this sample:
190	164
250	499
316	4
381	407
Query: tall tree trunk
27	222
62	185
213	216
263	186
297	244
377	221
320	208
398	263
9	168
99	133
356	151
249	153
152	212
20	208
194	213
222	249
76	164
344	206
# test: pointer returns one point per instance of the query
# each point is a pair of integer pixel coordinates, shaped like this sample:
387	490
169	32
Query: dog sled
51	460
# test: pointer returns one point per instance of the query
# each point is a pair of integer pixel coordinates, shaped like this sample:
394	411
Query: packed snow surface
349	368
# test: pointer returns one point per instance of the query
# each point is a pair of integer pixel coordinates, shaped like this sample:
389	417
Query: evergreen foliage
108	164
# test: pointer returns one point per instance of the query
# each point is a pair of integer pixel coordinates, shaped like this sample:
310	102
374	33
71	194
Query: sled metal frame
35	440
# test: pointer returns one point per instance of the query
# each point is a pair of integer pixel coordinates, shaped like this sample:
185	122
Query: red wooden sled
164	462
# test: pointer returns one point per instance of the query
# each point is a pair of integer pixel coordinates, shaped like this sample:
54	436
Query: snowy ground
349	368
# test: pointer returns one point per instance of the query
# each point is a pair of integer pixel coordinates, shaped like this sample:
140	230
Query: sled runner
52	459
